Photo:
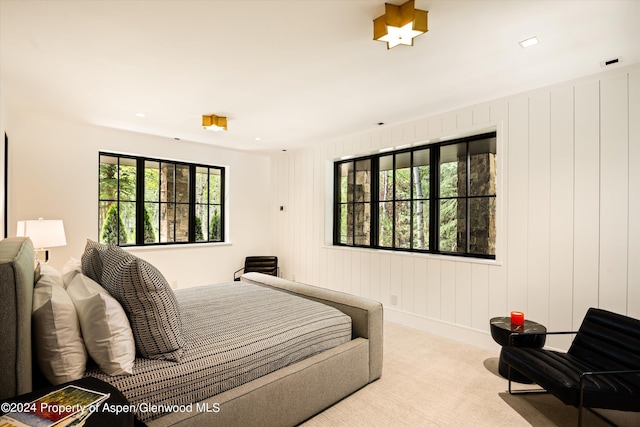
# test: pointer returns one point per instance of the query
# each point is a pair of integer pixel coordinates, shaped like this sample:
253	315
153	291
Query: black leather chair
258	264
601	369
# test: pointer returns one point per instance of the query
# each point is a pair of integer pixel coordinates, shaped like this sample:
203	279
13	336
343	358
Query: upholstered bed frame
285	397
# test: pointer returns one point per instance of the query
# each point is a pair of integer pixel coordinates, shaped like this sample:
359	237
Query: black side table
501	330
97	419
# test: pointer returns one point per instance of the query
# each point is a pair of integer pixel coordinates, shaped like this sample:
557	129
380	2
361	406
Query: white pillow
59	348
105	327
52	274
70	269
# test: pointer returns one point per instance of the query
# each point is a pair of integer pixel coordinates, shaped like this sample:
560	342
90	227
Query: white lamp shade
43	233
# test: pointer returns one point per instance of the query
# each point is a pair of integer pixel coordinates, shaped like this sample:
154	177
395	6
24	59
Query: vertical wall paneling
463	293
561	216
422	129
499	114
420	286
409	133
338	273
353	285
539	187
517	203
434	286
318	229
299	208
497	291
365	274
396	272
374	277
614	192
448	291
568	196
449	122
435	126
633	296
481	114
586	197
480	297
386	277
291	210
407	296
397	135
464	119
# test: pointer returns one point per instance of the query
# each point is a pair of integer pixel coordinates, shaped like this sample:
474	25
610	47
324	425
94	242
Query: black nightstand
97	419
501	331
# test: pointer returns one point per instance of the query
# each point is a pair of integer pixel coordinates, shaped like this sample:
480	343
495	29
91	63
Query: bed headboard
16	296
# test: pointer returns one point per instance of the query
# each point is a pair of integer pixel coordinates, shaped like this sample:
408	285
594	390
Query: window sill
438	257
175	246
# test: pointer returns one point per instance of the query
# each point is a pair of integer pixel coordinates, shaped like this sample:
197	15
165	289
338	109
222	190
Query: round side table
501	330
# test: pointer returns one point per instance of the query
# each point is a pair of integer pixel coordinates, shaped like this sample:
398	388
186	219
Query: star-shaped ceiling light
400	24
214	123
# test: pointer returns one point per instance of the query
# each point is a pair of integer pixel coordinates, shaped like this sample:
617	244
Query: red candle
517	318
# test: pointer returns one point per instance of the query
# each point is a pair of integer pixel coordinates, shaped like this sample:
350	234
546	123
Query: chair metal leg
581	406
528	391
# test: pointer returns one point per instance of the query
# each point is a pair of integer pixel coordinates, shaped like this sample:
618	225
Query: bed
345	356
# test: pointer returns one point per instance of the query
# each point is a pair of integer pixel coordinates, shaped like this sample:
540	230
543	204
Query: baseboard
455	332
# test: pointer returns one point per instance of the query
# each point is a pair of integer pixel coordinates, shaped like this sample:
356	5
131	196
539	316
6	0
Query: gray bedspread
235	332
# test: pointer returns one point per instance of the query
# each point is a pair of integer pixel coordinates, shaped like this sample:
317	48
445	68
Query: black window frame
434	199
140	201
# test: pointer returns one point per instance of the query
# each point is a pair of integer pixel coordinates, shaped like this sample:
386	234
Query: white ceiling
291	72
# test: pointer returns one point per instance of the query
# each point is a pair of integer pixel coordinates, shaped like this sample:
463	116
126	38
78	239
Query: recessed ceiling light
141	115
258	138
529	42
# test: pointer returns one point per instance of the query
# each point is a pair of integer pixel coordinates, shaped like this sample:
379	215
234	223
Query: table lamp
44	234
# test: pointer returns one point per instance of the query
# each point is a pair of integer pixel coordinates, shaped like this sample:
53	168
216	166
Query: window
146	201
439	198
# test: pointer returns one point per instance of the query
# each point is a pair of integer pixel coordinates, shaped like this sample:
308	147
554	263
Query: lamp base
42	255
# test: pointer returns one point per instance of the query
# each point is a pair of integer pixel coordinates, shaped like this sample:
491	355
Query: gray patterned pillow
149	302
91	260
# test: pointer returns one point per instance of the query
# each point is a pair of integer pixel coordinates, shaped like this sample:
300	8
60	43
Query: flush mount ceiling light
400	24
214	123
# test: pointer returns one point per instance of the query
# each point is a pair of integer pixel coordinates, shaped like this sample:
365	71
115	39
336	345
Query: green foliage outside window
167	201
113	229
458	218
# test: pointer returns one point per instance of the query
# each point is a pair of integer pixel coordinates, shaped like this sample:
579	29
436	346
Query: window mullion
223	217
411	198
375	202
467	201
192	204
140	174
393	202
434	206
353	205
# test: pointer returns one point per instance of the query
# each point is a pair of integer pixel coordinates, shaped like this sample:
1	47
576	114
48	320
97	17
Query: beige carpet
428	380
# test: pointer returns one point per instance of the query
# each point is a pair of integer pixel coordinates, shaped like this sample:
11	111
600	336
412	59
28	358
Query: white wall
54	174
569	210
3	121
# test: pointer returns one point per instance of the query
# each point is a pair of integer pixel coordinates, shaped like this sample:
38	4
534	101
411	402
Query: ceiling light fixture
214	123
400	24
531	41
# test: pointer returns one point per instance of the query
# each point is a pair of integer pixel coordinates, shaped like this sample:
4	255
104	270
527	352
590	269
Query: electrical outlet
394	299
